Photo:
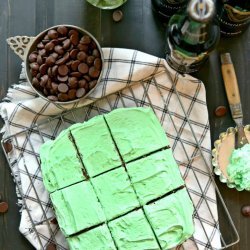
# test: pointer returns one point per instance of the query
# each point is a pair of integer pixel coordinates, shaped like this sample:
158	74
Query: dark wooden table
139	29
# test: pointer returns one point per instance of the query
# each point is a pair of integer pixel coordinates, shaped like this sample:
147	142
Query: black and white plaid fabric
130	78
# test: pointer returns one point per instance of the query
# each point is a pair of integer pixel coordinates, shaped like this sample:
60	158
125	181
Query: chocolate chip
63	70
87	77
117	15
83	68
82	83
72	94
73	53
52	34
55	55
3	207
93	72
96	53
220	111
51	246
74	38
59	49
52	98
49	46
62	30
54	70
54	220
76	74
63	88
92	84
63	97
73	83
7	146
54	86
245	210
42	52
66	44
62	78
82	56
63	60
74	65
44	80
80	92
98	63
50	61
73	32
35	82
90	60
39	59
83	47
43	69
45	91
33	57
85	40
33	72
40	45
34	66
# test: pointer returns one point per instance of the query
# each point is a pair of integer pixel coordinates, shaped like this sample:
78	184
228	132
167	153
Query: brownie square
155	175
115	193
95	146
136	132
171	218
133	231
77	208
98	238
54	155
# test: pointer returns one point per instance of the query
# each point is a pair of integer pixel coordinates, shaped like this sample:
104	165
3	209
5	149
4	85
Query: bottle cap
201	10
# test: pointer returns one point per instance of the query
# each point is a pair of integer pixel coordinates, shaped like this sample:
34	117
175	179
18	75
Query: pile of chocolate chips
65	64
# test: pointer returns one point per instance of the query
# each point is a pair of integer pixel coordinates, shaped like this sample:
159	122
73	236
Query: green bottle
192	35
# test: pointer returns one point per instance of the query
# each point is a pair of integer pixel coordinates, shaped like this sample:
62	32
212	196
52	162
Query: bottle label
233	19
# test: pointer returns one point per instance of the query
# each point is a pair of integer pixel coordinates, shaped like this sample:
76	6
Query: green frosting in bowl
107	4
239	168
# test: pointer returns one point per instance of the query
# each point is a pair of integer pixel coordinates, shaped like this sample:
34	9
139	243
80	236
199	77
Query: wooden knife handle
230	80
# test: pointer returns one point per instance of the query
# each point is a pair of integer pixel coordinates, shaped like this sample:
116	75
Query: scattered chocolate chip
220	111
117	15
51	246
245	210
3	207
7	146
92	84
54	221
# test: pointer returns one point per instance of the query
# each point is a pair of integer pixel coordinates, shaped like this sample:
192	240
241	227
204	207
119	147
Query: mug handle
20	45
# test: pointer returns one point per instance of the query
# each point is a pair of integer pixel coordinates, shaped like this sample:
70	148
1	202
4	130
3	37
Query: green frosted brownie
77	208
95	146
136	132
98	238
60	165
155	175
115	193
133	231
171	218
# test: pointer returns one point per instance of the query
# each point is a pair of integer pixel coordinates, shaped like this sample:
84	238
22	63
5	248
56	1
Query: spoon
233	96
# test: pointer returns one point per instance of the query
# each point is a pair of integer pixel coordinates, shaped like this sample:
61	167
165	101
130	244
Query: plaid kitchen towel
131	78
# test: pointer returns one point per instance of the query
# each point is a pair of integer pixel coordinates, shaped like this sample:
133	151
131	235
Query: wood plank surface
139	29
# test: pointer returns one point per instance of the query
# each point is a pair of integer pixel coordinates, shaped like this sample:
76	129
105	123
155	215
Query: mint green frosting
77	208
171	218
115	193
95	145
136	132
239	168
133	231
96	239
107	4
155	175
59	163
